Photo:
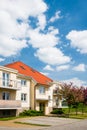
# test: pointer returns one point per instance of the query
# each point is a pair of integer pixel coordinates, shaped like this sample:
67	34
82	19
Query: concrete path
79	125
55	122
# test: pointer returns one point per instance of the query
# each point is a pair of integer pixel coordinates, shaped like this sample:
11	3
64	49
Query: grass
66	110
12	118
78	116
8	118
24	123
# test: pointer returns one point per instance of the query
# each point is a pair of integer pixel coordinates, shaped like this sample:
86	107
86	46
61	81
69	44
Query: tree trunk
82	108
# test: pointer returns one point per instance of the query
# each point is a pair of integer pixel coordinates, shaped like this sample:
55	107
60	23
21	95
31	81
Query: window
41	89
23	97
6	112
5	95
5	79
23	82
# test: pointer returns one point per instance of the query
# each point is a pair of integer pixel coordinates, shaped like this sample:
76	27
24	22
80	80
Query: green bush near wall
31	113
57	111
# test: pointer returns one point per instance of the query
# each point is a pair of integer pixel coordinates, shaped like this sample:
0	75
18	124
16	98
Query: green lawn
81	112
78	116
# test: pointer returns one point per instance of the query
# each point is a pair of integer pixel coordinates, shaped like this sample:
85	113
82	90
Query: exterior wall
12	93
32	95
52	102
37	106
26	90
12	77
43	96
10	104
15	94
46	109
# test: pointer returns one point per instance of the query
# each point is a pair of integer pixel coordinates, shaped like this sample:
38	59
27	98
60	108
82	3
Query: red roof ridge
29	71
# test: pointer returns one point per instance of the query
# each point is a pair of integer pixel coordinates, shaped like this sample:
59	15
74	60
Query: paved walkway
79	125
55	122
11	124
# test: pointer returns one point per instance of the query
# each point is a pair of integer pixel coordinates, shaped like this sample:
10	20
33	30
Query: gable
28	71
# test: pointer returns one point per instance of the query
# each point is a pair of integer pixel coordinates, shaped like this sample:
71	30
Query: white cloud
78	40
12	47
76	81
48	67
11	31
13	34
40	40
44	73
2	59
57	16
23	9
53	31
62	67
80	67
52	56
42	21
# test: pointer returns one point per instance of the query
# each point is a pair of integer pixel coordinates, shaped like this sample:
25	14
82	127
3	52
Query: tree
65	91
72	94
85	96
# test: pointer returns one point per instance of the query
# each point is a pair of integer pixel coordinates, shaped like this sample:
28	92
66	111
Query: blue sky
48	35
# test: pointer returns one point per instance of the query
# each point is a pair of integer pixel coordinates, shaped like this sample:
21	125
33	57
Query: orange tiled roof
28	71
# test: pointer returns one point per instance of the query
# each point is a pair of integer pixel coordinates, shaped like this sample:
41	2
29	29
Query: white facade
13	95
15	91
48	98
42	95
25	89
54	101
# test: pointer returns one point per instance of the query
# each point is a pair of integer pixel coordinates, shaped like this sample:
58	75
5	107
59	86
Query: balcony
10	84
10	104
42	97
55	92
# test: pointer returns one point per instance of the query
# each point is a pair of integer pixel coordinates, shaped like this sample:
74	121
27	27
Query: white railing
10	104
10	84
42	96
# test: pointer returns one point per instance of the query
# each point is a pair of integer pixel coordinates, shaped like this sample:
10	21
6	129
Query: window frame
23	82
41	89
24	97
5	79
5	95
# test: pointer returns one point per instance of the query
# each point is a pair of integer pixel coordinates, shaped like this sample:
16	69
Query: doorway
42	107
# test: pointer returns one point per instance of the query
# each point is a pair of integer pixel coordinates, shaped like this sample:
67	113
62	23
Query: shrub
31	113
57	111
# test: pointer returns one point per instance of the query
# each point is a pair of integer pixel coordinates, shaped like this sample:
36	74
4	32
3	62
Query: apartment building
23	88
34	87
14	92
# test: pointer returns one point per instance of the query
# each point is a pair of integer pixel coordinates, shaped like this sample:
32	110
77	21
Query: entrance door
42	107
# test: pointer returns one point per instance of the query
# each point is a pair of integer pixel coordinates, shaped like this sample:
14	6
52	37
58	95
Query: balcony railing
10	104
10	84
42	97
55	92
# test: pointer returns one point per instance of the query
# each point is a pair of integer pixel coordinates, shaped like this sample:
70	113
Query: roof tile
28	71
